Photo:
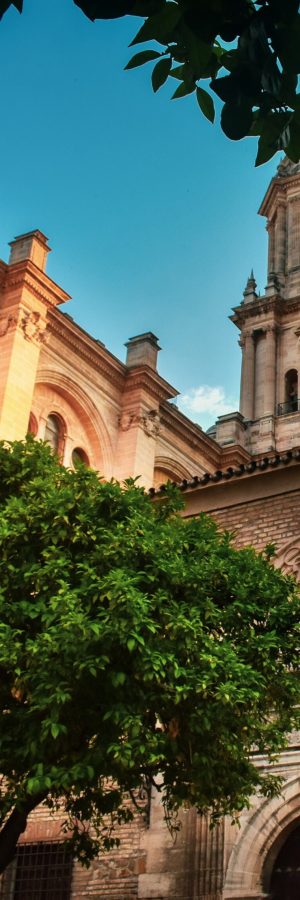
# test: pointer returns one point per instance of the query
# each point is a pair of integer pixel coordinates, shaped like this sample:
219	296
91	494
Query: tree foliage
134	646
247	52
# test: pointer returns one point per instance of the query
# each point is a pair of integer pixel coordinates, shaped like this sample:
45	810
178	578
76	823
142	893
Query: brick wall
113	876
272	519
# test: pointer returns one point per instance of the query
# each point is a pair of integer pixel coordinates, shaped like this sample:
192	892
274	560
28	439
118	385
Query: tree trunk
14	826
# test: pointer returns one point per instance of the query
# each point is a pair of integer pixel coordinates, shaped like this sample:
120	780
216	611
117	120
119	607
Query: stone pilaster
136	447
26	295
248	375
294	234
280	240
270	371
20	344
271	247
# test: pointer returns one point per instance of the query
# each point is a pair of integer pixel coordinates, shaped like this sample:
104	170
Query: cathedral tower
270	326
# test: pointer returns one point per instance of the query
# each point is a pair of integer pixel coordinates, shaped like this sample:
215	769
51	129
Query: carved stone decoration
149	421
33	327
288	559
287	167
6	322
128	419
293	738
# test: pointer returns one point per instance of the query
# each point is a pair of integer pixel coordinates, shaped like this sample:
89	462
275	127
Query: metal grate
290	406
40	871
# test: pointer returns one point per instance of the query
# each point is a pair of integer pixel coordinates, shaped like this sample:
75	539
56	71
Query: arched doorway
285	878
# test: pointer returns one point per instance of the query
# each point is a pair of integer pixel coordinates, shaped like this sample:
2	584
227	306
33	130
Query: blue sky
150	210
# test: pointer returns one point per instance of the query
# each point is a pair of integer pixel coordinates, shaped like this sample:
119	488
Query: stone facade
61	384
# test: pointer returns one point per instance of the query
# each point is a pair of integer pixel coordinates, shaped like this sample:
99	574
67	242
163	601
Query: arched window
54	433
291	390
79	456
32	425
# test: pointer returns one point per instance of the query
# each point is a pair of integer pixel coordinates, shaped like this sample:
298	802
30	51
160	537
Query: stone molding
26	274
145	378
84	405
87	349
174	421
253	856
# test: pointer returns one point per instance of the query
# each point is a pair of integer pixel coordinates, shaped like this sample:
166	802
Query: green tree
246	51
133	644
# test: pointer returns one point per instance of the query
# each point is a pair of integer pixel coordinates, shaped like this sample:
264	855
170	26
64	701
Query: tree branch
14	826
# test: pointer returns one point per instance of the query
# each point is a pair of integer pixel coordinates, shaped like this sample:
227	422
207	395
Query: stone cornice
26	274
279	184
263	306
86	347
176	422
146	378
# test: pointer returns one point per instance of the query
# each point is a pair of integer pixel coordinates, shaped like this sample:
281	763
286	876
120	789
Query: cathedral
63	386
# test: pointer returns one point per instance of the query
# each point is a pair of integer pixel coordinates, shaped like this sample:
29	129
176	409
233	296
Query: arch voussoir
262	833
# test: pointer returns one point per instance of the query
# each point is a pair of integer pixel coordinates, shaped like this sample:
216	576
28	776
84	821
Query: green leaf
293	146
160	26
160	73
5	4
33	785
289	52
183	89
236	120
131	644
199	54
275	135
105	9
179	72
206	104
143	57
55	729
226	87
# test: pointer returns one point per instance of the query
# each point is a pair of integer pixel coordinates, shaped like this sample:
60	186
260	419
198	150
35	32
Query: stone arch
100	447
265	831
276	848
167	469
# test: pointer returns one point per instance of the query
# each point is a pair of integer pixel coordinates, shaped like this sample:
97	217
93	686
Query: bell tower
270	325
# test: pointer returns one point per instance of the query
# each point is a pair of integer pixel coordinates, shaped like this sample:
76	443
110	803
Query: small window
54	433
291	390
41	871
79	456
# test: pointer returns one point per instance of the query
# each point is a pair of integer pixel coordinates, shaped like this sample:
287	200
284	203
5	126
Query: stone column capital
246	334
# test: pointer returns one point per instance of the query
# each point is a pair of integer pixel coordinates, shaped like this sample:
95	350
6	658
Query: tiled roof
254	466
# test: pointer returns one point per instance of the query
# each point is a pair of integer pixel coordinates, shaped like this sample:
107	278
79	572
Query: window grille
41	871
